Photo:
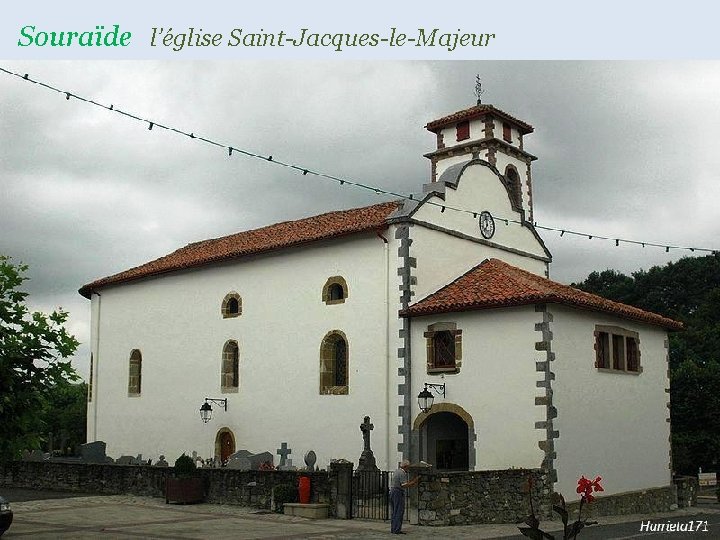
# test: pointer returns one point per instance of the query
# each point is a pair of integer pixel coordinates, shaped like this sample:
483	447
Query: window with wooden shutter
507	133
463	130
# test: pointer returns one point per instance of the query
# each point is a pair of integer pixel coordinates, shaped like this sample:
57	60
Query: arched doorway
224	444
444	442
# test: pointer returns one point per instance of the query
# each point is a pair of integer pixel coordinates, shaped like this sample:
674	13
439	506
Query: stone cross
283	452
366	427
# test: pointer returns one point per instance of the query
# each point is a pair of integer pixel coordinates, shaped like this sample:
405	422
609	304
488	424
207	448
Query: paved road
15	495
702	526
129	517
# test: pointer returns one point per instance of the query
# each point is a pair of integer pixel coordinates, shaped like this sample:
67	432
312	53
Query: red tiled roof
277	236
474	112
496	284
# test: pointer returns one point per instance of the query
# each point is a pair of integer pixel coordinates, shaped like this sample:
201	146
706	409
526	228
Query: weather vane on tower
478	88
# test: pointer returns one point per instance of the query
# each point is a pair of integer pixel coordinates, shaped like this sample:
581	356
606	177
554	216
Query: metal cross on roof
478	88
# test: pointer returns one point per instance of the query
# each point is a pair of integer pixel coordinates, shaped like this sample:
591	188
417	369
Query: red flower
587	487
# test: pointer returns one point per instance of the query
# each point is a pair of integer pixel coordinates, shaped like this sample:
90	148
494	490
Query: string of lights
307	171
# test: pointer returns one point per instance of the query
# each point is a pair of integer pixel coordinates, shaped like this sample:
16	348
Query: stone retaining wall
226	486
440	499
462	498
647	501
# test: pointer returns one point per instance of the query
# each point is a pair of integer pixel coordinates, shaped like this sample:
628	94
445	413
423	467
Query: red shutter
463	130
507	133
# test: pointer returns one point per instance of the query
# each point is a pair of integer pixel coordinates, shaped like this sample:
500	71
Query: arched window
135	373
515	185
334	364
231	306
230	375
335	290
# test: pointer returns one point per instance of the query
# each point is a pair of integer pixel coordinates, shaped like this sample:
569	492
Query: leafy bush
184	466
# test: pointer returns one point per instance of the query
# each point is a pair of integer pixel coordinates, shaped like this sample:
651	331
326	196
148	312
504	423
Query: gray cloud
625	150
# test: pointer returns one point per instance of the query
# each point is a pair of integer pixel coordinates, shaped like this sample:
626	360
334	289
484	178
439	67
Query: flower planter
184	490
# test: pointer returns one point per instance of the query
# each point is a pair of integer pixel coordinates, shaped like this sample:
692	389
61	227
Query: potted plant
184	486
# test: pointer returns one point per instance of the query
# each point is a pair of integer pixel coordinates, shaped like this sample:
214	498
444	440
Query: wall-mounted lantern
426	399
206	408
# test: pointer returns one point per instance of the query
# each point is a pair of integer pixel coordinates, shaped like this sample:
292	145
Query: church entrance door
444	442
224	444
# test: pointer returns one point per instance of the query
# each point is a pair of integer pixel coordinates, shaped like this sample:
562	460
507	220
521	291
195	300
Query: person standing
400	481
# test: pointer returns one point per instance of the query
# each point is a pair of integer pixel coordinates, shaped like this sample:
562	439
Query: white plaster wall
480	189
176	322
446	162
610	424
477	133
441	258
495	385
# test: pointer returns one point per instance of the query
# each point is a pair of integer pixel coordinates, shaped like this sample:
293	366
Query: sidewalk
125	517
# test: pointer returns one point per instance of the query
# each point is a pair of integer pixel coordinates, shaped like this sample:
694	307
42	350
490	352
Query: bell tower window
507	132
463	130
515	185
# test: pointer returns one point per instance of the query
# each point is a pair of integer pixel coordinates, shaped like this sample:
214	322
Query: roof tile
497	284
474	112
277	236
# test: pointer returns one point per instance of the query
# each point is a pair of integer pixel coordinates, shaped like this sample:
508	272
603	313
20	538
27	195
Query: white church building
307	326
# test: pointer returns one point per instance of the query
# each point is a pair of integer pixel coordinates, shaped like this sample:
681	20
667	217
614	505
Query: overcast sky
626	149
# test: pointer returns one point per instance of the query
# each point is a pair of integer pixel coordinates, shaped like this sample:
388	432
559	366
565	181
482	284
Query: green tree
695	402
687	290
34	357
64	415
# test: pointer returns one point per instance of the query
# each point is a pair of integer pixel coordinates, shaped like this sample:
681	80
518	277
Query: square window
507	133
463	130
617	350
444	348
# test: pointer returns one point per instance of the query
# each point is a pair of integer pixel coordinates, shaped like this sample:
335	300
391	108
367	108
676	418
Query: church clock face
487	224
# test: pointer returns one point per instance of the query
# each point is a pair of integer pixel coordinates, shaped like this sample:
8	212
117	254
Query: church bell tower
487	133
